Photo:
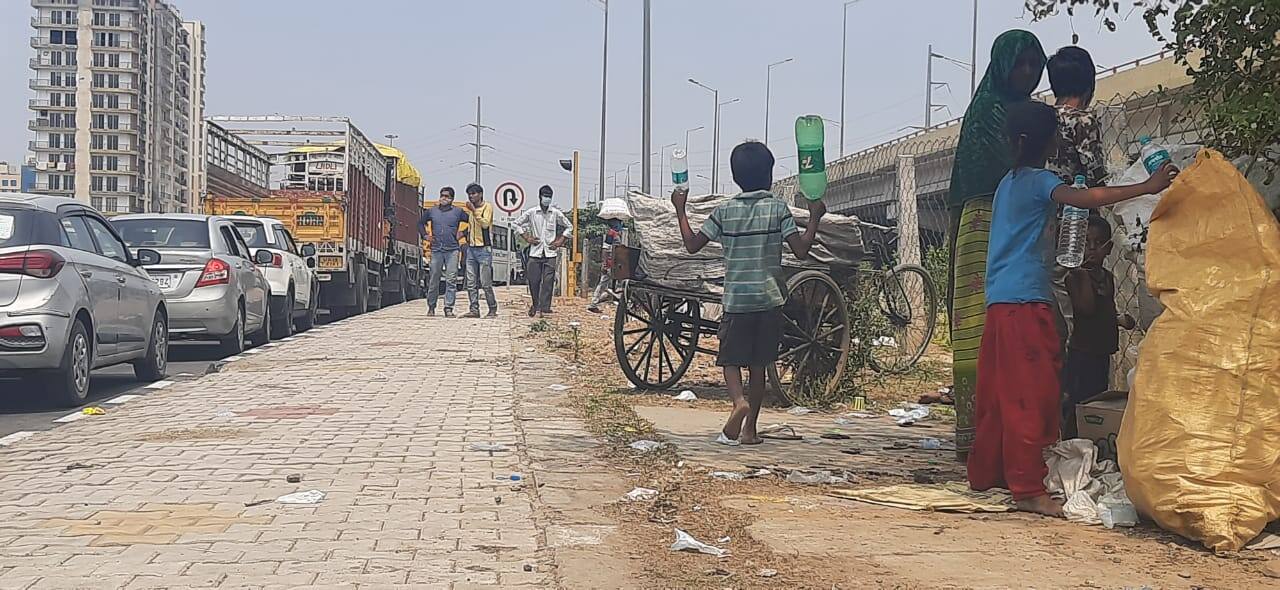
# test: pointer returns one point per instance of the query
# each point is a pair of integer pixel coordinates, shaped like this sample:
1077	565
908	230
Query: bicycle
907	299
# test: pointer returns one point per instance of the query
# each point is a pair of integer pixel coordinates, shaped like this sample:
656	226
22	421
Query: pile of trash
1093	490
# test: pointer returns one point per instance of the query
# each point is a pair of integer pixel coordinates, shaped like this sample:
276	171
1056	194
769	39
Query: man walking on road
479	252
444	236
540	226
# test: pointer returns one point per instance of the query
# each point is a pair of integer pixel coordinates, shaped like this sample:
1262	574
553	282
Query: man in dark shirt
444	236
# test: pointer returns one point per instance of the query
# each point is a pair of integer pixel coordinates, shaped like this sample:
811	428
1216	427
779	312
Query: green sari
983	157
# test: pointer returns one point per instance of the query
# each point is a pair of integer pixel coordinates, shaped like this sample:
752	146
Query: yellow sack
1200	443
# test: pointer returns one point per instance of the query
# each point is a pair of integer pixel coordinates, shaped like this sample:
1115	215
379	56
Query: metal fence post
908	212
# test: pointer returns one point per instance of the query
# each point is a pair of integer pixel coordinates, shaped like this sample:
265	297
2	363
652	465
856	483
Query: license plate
164	281
331	262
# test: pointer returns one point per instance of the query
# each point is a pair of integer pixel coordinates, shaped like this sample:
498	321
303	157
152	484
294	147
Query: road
20	411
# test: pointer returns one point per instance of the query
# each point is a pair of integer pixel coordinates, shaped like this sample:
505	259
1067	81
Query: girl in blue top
1017	397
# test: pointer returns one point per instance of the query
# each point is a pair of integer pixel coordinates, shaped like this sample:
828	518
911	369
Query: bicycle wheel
908	300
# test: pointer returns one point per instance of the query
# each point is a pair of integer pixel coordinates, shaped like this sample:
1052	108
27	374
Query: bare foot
1041	505
733	427
750	440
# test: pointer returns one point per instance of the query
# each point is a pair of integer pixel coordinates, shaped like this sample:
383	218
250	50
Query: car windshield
15	226
163	233
253	233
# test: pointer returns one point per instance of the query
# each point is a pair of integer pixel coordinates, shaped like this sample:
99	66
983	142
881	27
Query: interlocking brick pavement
379	412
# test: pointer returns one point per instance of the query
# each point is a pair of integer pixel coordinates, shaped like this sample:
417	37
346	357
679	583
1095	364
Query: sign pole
575	246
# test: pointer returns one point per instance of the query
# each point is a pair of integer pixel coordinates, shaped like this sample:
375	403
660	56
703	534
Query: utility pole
478	144
844	69
928	90
645	132
715	140
604	94
973	55
768	87
575	248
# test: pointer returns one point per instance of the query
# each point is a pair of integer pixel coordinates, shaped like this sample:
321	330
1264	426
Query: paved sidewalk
379	412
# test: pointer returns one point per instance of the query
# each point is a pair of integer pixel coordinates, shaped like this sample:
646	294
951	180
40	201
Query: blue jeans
444	265
480	270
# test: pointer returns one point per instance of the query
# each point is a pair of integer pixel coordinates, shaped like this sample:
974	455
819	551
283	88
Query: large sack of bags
1200	443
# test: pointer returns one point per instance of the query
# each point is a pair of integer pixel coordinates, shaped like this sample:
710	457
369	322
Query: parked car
210	280
73	298
295	290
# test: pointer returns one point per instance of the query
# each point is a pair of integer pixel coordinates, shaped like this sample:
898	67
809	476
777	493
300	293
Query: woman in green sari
983	157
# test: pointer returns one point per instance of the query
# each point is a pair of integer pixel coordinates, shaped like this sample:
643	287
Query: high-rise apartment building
113	120
198	185
10	178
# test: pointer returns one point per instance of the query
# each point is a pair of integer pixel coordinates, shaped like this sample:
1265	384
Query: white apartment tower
114	83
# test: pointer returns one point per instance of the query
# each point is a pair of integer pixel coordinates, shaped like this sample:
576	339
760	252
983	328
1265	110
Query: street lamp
844	69
715	140
629	172
768	84
661	177
686	136
391	139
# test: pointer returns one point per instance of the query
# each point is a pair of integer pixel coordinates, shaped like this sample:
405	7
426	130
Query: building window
113	184
95	183
70	58
68	99
55	141
113	19
113	142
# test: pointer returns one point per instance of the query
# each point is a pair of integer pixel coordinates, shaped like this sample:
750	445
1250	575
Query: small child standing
751	227
1017	395
1095	333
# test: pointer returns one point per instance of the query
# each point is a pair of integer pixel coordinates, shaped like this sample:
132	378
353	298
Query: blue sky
414	68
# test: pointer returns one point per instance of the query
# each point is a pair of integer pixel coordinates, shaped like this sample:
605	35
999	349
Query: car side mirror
146	257
263	256
311	263
308	250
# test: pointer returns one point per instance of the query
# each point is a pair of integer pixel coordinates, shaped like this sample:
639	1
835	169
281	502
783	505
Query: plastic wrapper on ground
1200	443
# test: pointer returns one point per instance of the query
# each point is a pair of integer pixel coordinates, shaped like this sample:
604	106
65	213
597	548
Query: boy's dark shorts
750	339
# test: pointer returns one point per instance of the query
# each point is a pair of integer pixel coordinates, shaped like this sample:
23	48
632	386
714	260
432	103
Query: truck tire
362	292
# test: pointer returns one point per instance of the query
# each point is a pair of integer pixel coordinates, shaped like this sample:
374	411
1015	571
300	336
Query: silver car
210	282
73	298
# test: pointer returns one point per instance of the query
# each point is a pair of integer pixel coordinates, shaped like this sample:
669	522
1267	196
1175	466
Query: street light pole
645	132
844	68
662	179
768	86
973	54
629	173
391	139
604	94
686	136
715	140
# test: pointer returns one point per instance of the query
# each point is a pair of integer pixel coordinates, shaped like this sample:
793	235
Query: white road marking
124	398
71	418
15	437
159	385
232	358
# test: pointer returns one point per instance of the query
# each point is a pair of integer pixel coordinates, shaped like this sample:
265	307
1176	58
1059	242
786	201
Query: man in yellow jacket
479	255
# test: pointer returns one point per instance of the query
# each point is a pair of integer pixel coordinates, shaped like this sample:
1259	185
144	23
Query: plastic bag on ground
307	497
1093	490
685	396
816	478
1200	441
640	495
685	541
644	446
910	414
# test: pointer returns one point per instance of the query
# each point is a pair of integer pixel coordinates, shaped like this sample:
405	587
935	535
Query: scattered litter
490	447
852	417
256	503
528	568
768	573
946	497
799	411
730	475
910	415
224	414
1264	541
640	495
685	396
93	411
758	473
931	444
644	446
78	465
723	573
307	497
816	477
723	540
1093	490
530	349
558	387
294	478
685	541
679	464
512	477
885	341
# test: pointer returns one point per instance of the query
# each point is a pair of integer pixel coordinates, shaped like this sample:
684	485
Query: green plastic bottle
810	142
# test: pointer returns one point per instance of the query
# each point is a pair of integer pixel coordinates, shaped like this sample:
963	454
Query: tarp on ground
1199	446
667	263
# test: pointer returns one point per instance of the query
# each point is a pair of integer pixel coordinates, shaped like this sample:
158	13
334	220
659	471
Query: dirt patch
154	524
192	434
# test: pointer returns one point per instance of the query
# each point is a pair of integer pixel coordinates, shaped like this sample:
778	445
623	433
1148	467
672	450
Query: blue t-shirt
444	227
1020	252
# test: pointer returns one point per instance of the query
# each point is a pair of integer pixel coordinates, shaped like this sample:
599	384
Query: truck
357	202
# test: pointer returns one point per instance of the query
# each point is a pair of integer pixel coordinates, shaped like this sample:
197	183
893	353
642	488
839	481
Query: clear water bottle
1153	154
1072	232
680	169
810	147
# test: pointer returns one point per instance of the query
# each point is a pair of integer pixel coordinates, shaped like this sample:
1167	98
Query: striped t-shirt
751	227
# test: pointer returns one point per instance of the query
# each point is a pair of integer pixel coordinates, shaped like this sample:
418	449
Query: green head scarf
983	155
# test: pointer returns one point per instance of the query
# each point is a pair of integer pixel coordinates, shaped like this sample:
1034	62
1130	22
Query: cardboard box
1098	420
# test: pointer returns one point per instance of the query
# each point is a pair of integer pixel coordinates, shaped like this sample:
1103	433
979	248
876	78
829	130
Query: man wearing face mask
540	227
444	238
479	258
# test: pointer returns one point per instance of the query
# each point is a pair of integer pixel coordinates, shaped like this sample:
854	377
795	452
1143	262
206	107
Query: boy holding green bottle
751	228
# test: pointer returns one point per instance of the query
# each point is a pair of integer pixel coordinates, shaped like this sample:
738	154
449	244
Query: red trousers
1017	397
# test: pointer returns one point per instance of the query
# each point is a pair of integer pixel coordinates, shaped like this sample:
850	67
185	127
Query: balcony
120	107
54	3
119	87
41	124
45	84
106	25
122	44
44	21
44	64
107	67
119	169
43	187
127	5
124	127
46	104
45	147
119	149
38	42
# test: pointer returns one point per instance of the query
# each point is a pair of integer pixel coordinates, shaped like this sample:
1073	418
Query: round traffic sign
509	197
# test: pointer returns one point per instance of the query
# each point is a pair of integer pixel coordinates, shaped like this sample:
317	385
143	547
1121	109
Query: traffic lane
20	410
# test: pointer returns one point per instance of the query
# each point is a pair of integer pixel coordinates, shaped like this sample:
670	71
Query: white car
295	290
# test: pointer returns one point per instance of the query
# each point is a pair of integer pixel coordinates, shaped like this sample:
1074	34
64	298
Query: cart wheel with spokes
655	337
815	337
908	302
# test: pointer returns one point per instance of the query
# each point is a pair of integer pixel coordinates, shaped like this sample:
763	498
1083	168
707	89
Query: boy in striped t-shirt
751	228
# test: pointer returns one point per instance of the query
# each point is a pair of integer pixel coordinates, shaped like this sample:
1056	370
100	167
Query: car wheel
69	385
283	325
263	334
308	321
152	367
233	343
